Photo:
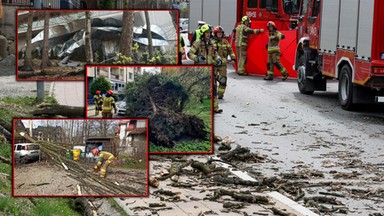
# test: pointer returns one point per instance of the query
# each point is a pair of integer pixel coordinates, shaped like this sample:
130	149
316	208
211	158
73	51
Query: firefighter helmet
200	23
95	151
98	91
205	28
271	23
245	18
110	92
218	29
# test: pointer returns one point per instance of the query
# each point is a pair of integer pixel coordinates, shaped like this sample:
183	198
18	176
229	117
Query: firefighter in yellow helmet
274	38
104	160
224	50
203	51
242	32
108	105
197	34
98	98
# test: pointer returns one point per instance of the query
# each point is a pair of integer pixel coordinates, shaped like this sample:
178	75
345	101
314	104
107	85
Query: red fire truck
343	40
228	13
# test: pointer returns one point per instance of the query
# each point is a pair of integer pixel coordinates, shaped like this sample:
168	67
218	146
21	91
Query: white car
183	24
121	108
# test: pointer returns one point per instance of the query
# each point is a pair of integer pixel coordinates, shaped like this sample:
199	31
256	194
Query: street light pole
39	84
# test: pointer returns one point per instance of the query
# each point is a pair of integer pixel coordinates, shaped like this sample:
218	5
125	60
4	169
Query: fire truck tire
346	88
305	85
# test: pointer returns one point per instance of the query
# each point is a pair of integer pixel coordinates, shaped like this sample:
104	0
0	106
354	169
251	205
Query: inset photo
57	44
176	99
80	157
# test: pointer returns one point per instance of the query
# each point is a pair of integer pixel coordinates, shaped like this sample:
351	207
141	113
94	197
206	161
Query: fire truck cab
343	40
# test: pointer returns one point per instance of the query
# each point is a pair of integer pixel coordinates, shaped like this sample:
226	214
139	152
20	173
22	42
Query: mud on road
43	178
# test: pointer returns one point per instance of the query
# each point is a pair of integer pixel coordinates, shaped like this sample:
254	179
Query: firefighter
224	50
98	101
203	51
108	105
242	32
274	54
104	160
197	34
181	50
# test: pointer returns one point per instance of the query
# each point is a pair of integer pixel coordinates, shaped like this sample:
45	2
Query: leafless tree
127	34
149	34
88	38
28	49
45	62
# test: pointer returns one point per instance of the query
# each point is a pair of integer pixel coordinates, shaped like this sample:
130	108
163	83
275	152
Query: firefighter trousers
221	77
274	60
241	59
106	114
104	167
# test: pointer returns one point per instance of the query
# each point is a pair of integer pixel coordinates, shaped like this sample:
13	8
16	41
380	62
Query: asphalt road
303	132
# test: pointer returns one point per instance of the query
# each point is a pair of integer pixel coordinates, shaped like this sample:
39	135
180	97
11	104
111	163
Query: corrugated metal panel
329	25
211	11
227	15
348	23
364	41
195	14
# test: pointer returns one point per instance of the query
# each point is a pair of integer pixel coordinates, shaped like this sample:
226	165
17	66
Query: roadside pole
39	84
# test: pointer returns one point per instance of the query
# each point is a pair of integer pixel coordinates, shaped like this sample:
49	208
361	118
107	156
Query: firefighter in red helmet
108	105
104	160
274	54
98	98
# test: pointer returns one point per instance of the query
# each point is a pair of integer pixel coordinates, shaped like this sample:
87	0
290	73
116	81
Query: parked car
121	108
26	152
183	24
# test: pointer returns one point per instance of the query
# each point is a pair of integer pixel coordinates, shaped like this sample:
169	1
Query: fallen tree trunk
235	181
67	111
6	133
89	208
5	160
242	197
50	72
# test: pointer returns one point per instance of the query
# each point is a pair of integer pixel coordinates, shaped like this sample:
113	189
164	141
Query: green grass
54	206
184	146
20	107
131	163
15	206
203	111
6	150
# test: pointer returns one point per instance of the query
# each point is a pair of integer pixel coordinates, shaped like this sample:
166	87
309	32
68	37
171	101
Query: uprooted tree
163	99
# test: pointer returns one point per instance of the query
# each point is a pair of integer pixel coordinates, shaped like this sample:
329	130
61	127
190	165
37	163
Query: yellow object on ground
76	154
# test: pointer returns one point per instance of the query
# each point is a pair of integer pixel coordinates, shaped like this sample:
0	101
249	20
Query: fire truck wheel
346	88
305	85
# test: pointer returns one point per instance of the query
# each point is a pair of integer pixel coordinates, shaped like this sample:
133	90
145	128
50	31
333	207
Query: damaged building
67	34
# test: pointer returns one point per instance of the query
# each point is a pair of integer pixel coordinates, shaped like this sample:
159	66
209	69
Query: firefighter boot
269	76
285	76
216	106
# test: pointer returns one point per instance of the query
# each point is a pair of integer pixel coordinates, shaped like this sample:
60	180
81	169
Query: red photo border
87	195
72	11
166	66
